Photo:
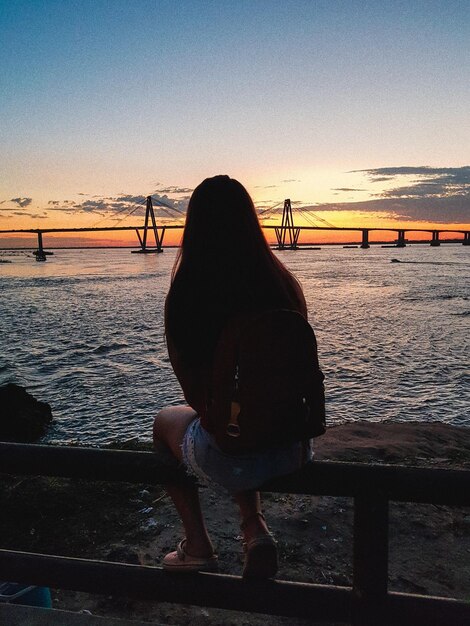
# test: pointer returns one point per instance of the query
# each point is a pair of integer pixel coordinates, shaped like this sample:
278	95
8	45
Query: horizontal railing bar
289	599
395	482
18	615
417	610
273	597
87	463
332	478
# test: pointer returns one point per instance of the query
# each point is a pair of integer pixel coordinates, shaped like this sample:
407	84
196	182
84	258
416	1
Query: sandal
181	561
260	555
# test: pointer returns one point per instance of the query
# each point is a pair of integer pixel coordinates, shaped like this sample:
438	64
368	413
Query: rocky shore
429	545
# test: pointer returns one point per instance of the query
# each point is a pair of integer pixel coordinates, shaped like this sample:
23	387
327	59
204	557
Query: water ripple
84	332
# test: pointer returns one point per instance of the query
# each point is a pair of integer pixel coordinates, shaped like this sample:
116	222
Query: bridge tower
401	241
150	215
39	252
287	230
435	238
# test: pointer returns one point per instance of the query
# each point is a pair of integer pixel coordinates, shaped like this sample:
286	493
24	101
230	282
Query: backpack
266	386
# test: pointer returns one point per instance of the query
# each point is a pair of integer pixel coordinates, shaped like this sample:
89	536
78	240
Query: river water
84	332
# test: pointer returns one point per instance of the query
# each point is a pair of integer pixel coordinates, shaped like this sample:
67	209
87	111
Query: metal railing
367	602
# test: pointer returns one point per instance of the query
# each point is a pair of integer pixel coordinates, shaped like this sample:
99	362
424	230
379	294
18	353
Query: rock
23	419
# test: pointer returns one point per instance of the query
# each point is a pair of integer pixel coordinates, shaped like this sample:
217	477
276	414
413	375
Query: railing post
370	559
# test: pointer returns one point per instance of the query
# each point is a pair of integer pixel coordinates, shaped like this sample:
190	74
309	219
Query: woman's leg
261	559
169	428
252	520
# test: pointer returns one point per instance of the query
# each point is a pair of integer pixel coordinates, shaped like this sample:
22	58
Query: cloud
266	186
128	198
170	203
91	206
347	189
291	180
264	204
173	189
456	173
426	182
434	189
118	208
433	194
22	202
441	210
179	205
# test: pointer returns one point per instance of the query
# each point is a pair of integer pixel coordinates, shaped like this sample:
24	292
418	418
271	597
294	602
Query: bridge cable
306	215
314	216
264	211
168	213
168	206
116	212
128	215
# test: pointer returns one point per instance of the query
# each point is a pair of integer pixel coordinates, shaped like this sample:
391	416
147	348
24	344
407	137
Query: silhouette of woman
224	267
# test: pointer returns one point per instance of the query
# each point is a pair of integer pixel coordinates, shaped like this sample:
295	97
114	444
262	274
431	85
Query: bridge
287	233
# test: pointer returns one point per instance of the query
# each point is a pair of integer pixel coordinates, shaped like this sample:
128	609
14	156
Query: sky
359	111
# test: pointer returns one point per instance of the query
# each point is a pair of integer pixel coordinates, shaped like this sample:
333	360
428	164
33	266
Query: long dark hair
224	267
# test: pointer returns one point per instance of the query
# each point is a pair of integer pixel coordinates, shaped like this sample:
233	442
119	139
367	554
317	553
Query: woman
224	268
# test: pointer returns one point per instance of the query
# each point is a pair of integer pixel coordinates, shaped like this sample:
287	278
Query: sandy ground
429	545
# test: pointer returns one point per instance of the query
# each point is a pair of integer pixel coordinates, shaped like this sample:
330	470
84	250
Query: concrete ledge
17	615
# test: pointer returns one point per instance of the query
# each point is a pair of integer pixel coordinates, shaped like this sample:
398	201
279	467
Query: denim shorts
214	468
